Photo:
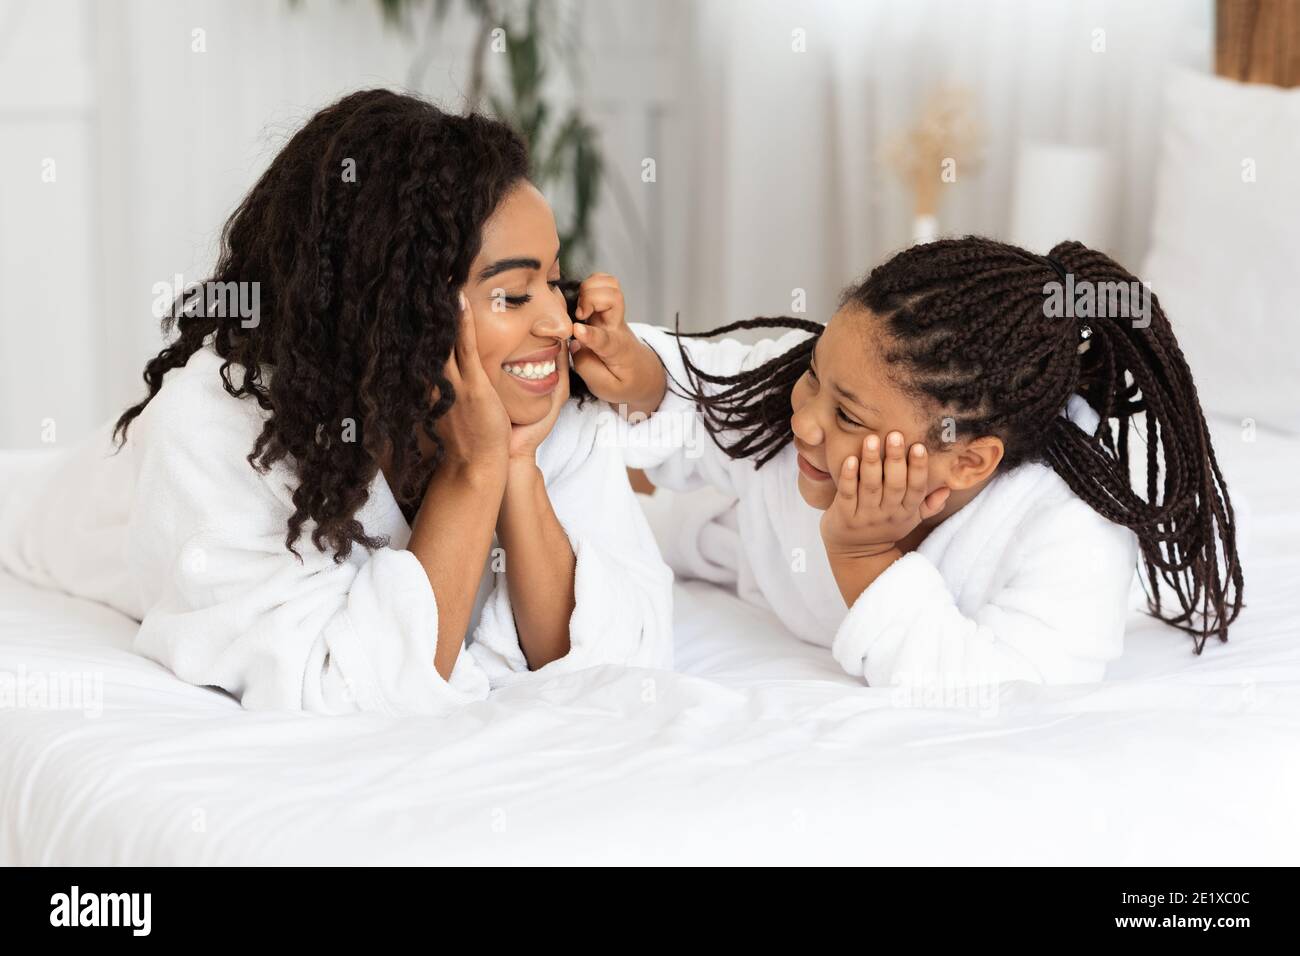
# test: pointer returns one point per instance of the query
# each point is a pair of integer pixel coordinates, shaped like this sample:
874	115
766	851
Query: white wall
768	174
789	188
50	330
155	143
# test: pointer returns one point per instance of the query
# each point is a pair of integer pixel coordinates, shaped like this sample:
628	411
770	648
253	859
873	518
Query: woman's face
845	396
520	318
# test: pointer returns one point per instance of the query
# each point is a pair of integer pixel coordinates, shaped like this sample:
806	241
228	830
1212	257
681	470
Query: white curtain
786	187
767	178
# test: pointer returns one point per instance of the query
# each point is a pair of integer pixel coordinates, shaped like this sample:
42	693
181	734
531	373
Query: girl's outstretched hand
879	500
615	364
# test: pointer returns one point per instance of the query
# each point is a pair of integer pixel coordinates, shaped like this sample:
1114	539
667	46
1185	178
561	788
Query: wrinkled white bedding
759	750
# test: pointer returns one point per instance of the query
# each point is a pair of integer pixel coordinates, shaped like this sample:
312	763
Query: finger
467	344
593	337
870	481
846	486
451	369
895	469
599	280
596	302
934	502
589	367
466	350
918	477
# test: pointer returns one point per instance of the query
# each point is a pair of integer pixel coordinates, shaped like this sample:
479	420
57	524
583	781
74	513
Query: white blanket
760	750
765	751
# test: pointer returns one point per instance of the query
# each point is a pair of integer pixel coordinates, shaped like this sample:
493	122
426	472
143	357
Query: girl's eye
845	418
554	283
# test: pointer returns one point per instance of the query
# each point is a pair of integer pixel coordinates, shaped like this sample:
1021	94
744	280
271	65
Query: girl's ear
975	462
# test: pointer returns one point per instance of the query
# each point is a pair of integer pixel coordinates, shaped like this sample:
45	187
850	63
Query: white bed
759	750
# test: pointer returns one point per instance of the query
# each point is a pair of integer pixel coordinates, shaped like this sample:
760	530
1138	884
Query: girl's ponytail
1134	374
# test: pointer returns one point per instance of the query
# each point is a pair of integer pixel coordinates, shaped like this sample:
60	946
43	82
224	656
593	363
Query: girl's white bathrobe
1026	582
180	532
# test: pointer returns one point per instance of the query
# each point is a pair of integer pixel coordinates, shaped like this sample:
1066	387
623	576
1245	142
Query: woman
376	493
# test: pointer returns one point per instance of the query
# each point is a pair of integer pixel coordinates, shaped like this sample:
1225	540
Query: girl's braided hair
967	331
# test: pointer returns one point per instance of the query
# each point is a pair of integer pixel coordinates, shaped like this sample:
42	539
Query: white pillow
1225	251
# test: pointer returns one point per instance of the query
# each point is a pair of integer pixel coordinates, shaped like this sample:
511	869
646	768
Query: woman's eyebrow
505	265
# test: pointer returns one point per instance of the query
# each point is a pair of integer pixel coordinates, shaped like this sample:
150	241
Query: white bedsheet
760	750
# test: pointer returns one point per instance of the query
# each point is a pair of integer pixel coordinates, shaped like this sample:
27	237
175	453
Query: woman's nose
554	323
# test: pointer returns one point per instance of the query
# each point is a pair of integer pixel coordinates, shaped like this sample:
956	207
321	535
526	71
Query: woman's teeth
531	370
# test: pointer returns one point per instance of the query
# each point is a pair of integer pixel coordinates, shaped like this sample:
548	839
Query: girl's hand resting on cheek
879	501
615	364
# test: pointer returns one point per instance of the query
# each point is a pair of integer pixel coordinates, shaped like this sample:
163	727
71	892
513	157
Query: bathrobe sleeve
1057	617
226	604
672	446
622	588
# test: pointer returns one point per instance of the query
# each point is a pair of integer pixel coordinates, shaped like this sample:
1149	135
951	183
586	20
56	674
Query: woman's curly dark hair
359	235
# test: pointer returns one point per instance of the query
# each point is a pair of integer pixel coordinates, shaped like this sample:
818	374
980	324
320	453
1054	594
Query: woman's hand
878	502
452	533
539	558
524	439
617	366
476	430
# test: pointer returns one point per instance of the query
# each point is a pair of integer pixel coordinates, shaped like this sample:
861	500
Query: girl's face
847	395
520	318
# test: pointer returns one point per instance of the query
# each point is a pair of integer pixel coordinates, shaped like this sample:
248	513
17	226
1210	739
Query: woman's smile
536	373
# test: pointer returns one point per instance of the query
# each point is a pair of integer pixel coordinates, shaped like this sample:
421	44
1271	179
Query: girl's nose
804	425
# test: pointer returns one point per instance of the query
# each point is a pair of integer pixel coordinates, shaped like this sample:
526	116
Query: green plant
564	147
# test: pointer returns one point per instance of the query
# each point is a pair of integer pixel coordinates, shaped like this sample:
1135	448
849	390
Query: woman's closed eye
514	301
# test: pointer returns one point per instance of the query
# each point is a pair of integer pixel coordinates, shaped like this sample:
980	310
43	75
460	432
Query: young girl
318	506
936	484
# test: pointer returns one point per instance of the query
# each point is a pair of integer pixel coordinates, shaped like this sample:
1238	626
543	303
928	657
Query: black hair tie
1085	330
1060	269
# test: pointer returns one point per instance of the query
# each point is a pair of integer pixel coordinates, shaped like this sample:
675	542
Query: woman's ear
975	462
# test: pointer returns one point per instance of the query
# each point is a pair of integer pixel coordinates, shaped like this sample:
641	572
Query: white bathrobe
1026	582
179	532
